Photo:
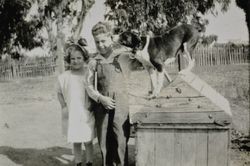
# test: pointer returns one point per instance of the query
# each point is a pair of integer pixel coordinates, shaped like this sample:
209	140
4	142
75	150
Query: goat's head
130	39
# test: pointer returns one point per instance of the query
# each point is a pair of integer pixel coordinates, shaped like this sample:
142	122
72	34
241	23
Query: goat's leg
167	75
160	80
154	81
187	56
167	62
152	74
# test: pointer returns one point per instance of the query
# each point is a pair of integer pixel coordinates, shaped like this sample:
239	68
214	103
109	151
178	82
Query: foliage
155	15
63	19
208	40
66	13
243	4
15	30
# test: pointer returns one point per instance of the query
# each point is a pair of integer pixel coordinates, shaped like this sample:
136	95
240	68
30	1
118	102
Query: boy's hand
107	102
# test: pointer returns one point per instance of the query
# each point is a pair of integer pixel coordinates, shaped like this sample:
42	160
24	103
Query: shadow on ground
51	156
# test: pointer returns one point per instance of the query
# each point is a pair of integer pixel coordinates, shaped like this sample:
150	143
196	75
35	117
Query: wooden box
188	127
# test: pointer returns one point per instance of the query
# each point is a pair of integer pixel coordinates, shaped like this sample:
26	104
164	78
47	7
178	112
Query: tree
63	13
209	40
157	15
16	31
245	6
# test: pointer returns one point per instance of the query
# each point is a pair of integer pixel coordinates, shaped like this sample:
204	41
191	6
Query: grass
29	111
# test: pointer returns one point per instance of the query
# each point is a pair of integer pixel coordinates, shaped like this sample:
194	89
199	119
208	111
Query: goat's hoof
150	92
183	71
152	96
171	81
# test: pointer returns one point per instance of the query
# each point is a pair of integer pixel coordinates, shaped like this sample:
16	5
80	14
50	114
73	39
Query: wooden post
211	58
13	68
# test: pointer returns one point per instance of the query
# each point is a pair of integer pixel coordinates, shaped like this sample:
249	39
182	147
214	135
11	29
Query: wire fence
204	56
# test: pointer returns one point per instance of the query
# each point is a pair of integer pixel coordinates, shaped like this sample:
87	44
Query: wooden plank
164	147
218	148
201	148
182	126
145	149
195	82
163	117
177	148
188	140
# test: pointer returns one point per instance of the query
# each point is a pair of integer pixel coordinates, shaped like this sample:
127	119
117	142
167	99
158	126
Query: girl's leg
77	150
89	151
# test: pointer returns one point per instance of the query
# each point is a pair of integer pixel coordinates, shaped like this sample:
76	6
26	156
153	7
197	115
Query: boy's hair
101	28
76	47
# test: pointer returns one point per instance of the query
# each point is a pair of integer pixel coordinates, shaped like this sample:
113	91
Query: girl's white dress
81	120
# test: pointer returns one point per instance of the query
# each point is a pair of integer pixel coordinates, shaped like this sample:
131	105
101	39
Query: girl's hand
107	102
65	117
65	113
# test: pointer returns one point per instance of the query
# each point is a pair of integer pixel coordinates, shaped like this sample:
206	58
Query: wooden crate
188	127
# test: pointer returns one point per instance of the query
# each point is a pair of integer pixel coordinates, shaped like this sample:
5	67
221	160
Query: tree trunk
60	40
86	5
80	19
48	24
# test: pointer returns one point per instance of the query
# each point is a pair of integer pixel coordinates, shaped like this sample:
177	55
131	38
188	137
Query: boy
112	66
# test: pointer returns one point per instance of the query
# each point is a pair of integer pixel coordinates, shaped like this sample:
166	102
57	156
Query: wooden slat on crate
217	147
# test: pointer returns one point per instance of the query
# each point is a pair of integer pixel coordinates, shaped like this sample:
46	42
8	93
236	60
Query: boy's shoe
89	164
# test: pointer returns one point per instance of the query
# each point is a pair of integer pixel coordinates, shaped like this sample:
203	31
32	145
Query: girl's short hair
79	46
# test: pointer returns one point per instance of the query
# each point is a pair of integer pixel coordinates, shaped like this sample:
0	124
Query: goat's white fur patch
142	55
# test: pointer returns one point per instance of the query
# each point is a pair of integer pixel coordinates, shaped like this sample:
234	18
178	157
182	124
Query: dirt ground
30	132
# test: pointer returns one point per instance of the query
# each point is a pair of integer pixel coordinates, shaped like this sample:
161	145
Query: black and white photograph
124	83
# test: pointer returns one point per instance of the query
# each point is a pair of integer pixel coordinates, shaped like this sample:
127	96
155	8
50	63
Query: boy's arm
92	91
90	82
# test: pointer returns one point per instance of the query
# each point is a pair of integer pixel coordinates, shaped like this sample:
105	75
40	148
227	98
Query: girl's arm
64	110
60	95
61	100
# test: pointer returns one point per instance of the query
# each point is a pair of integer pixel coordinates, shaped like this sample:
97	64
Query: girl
77	121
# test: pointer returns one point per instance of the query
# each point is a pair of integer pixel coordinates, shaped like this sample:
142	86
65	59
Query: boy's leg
77	150
121	128
89	151
101	120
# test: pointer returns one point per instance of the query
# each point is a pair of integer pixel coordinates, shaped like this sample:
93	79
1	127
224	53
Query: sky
95	15
229	26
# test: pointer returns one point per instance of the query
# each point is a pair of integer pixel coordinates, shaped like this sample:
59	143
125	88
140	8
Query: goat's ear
116	38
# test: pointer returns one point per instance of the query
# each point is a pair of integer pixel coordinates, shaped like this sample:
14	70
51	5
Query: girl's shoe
79	164
88	164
